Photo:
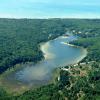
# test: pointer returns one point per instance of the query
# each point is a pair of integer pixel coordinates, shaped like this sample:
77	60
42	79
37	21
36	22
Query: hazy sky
50	8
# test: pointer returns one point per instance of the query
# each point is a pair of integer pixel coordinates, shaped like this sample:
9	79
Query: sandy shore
45	49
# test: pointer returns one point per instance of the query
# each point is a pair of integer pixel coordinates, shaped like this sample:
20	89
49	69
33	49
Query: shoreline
46	56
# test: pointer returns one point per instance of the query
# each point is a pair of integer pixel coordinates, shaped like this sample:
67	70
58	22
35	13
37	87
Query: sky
49	8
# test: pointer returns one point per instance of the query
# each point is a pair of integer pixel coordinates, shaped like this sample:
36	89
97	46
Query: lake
57	53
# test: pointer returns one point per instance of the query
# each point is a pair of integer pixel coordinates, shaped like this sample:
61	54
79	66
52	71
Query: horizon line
49	18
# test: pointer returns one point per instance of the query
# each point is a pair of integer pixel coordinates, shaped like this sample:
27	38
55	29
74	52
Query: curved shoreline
46	56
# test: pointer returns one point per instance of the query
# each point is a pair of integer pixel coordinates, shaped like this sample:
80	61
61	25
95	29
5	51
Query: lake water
57	54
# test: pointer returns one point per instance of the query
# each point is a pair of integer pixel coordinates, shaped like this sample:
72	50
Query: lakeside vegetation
19	43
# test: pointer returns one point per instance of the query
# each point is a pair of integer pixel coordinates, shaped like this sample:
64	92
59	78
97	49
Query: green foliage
64	79
49	92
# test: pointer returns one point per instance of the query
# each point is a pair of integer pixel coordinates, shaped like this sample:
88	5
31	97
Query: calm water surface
56	54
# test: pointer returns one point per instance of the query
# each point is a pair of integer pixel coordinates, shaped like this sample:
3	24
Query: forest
19	43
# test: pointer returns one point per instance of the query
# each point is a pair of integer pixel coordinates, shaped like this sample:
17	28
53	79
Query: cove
57	53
